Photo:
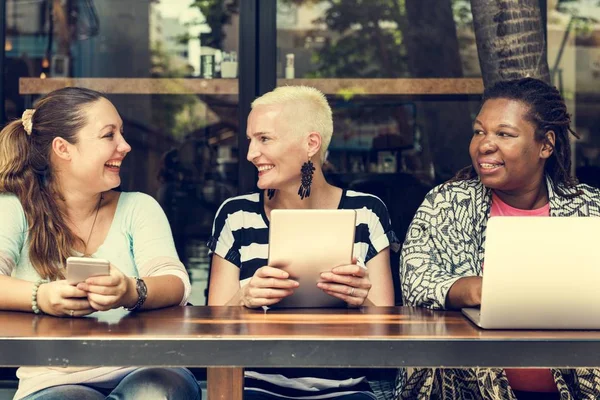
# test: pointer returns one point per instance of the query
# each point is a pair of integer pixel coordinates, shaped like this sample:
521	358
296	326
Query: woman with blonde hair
59	165
289	130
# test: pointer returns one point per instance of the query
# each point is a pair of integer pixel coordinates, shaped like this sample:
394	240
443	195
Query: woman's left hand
109	291
350	283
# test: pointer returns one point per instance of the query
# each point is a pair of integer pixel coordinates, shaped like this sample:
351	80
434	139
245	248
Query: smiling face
95	160
277	153
504	150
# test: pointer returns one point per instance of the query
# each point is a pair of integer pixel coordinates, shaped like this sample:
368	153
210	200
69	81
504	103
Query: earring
307	171
270	193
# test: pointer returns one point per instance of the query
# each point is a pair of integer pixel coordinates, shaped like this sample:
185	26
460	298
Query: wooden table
227	339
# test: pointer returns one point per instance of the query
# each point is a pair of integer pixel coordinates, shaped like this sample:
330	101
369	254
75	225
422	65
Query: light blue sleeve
150	231
152	243
13	229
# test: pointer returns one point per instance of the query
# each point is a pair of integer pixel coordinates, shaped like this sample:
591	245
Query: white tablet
305	243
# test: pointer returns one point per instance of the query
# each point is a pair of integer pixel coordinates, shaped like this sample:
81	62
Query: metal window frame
258	72
258	56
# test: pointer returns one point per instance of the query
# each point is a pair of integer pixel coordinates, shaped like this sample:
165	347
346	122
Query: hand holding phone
81	268
61	299
111	291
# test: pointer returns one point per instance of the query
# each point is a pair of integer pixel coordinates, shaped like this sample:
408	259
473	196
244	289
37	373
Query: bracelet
34	304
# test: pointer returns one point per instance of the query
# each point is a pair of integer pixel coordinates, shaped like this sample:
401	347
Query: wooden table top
235	336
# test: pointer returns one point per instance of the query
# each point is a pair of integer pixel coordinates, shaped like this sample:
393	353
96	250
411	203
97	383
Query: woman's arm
16	293
267	286
466	292
163	291
118	290
55	298
382	289
426	269
361	286
224	284
154	251
167	281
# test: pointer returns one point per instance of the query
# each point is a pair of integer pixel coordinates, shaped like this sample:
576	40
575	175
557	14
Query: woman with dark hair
58	166
521	160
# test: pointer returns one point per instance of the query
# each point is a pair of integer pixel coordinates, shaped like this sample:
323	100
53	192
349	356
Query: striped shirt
241	236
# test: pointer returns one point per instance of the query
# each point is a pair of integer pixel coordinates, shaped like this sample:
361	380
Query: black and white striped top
241	236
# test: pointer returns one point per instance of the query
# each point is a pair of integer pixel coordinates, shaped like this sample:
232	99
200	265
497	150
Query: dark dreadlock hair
547	112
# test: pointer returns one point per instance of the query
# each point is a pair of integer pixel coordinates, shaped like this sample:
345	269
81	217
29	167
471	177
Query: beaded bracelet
34	304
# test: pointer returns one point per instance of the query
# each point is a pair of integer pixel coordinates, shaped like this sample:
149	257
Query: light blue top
139	234
138	243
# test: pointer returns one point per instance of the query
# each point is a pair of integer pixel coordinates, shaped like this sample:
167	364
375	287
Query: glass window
170	68
574	60
403	80
375	39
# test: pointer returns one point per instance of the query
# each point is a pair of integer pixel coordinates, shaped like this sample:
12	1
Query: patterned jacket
445	242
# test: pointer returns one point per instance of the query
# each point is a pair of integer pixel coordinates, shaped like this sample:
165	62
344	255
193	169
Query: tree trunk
510	40
431	41
433	52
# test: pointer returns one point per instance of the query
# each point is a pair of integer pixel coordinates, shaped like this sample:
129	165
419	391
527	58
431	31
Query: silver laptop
307	242
540	273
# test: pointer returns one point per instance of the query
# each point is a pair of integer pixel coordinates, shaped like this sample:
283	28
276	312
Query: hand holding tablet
307	243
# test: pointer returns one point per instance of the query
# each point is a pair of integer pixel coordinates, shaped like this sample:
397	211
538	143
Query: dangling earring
270	193
307	171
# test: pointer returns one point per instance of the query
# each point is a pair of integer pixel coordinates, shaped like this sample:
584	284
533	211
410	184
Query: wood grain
132	85
336	87
227	339
360	87
225	383
239	323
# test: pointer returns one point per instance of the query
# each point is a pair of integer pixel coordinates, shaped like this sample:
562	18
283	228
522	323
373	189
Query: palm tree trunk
510	40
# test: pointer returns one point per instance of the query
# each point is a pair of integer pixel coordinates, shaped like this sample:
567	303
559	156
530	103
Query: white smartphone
81	268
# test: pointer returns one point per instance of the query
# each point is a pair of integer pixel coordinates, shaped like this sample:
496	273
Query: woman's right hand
267	287
61	299
465	292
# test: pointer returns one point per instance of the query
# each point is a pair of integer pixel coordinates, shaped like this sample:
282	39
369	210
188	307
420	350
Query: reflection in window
185	149
374	39
386	39
574	60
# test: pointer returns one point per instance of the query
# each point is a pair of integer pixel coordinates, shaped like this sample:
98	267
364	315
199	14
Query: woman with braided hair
521	160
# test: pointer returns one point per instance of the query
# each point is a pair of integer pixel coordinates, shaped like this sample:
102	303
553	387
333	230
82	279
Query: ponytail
14	166
49	237
25	171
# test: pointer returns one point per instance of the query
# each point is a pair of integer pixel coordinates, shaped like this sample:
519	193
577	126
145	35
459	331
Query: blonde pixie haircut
306	109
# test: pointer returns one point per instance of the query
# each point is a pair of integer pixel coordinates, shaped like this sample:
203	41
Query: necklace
85	253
